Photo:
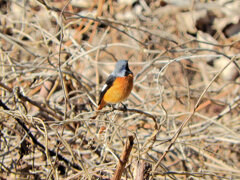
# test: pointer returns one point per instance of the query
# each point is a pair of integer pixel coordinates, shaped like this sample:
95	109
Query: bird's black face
127	70
121	69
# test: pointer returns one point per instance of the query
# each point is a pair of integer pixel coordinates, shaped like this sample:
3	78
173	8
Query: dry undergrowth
183	117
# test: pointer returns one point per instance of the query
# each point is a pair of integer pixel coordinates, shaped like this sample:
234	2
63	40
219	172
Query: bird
118	85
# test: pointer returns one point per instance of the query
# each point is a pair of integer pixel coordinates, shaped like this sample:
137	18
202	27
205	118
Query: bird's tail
101	105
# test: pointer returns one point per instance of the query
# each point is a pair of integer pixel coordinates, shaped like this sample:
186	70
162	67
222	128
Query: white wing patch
104	87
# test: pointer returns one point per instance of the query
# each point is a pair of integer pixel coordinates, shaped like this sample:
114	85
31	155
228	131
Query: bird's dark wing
106	86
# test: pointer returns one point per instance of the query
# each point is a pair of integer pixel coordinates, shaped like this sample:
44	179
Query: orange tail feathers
101	105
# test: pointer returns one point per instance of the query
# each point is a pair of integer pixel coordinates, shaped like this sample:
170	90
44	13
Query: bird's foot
124	107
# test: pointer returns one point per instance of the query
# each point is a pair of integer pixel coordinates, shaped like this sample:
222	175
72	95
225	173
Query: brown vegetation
182	119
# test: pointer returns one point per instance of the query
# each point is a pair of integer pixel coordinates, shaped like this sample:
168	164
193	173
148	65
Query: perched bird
118	86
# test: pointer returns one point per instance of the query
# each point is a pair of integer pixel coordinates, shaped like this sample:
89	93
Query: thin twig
38	144
176	135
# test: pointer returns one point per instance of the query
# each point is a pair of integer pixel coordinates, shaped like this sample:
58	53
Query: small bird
118	86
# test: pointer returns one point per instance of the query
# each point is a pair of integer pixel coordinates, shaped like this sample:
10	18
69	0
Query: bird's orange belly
120	89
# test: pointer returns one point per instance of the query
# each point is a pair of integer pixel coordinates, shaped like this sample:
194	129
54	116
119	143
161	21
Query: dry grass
183	114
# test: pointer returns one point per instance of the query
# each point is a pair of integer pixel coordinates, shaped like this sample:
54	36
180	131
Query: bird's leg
113	107
124	107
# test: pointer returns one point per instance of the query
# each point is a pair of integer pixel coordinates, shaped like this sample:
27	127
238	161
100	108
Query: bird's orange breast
120	89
